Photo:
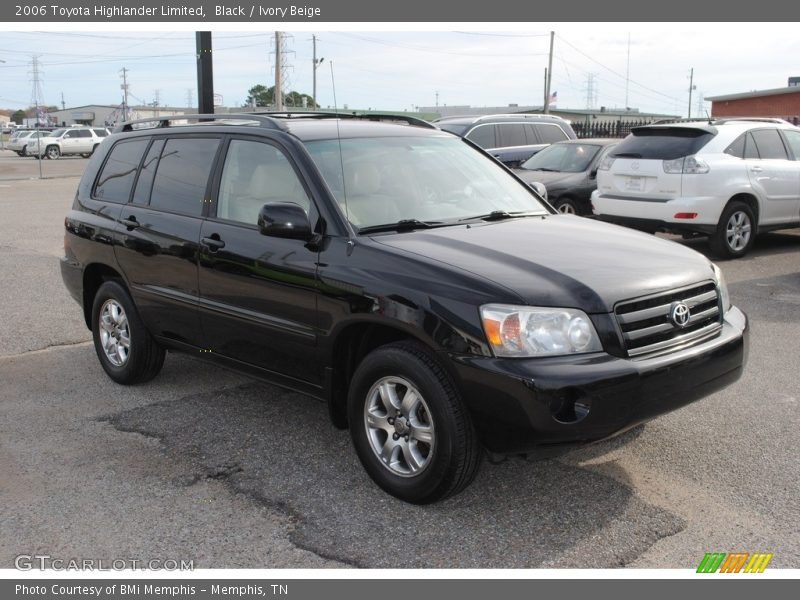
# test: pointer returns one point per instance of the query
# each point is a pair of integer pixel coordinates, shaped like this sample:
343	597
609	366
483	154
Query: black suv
512	139
427	295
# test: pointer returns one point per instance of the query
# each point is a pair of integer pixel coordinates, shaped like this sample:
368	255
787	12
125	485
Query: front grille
647	327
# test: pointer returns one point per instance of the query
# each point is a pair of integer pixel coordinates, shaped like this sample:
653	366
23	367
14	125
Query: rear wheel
53	152
127	351
735	232
409	426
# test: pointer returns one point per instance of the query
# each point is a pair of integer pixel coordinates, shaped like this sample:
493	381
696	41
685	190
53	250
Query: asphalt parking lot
208	465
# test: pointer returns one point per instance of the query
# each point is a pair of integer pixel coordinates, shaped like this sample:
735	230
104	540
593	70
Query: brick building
783	103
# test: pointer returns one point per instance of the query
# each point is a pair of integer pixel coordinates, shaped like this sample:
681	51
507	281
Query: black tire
736	223
20	153
145	356
454	456
52	152
567	205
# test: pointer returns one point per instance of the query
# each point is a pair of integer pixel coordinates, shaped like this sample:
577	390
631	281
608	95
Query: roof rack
349	115
756	119
720	121
164	122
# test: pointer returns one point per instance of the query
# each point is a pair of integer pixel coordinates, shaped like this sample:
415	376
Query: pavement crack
45	349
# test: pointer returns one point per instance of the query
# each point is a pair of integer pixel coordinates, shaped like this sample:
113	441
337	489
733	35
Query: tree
265	97
18	117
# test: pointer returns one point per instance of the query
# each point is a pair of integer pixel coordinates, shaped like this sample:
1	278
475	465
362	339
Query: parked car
398	274
729	179
28	138
569	172
512	139
68	141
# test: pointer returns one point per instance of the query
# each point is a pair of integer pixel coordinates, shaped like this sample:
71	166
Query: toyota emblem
679	314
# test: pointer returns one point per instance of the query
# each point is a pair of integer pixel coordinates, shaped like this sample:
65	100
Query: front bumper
519	405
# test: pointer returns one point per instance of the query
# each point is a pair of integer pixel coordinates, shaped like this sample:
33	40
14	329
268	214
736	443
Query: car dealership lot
208	465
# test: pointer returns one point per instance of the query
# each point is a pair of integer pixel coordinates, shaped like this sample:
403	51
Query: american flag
553	99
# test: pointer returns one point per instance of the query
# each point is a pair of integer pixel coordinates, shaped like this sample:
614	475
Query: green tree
265	97
18	117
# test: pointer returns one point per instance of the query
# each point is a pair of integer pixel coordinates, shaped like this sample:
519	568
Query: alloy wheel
115	335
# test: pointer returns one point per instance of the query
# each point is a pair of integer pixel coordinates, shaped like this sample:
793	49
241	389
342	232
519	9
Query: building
104	114
783	103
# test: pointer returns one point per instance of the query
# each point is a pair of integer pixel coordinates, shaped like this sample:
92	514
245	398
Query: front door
775	176
258	301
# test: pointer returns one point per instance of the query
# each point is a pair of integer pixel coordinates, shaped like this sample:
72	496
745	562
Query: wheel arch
94	275
750	199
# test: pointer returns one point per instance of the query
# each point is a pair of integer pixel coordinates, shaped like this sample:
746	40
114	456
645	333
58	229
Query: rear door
258	300
159	233
774	175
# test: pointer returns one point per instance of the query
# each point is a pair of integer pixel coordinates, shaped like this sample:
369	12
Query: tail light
690	165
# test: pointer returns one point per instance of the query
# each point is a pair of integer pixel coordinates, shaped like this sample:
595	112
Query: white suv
73	140
728	179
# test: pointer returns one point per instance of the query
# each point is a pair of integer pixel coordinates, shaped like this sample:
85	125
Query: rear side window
769	144
182	175
550	134
511	134
100	132
116	178
662	143
483	135
84	133
737	147
793	137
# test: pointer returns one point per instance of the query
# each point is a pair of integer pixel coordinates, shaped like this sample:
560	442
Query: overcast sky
487	66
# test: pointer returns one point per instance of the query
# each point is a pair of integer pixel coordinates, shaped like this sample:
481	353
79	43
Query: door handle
131	223
213	243
756	169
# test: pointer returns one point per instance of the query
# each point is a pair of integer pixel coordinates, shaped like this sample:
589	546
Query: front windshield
431	179
564	158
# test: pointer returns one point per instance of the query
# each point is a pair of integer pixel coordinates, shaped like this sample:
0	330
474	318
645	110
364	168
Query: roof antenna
339	138
708	116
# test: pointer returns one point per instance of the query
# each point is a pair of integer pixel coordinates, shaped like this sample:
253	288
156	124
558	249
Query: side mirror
539	188
284	220
593	173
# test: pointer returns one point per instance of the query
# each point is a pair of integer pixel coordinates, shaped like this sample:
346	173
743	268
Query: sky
644	66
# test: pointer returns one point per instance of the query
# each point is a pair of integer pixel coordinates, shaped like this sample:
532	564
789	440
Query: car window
769	144
750	149
84	133
737	147
254	174
549	133
100	132
182	175
662	143
566	158
116	177
439	179
141	195
793	137
71	134
483	135
511	134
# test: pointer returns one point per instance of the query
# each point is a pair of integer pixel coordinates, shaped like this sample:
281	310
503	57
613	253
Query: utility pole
36	97
544	87
205	73
63	104
278	94
317	62
628	74
124	87
549	75
691	87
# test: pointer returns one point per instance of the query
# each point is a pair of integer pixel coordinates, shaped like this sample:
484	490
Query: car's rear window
662	143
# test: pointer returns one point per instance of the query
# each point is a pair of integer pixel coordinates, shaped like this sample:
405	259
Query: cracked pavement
205	464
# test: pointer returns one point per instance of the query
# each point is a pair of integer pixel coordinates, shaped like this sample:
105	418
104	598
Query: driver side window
254	174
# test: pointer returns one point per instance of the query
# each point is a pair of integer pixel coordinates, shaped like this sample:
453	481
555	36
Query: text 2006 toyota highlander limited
399	274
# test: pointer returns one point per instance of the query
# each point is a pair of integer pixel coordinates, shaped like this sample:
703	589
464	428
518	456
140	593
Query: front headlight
533	331
724	297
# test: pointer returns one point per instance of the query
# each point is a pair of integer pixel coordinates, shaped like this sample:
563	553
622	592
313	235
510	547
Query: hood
551	179
560	260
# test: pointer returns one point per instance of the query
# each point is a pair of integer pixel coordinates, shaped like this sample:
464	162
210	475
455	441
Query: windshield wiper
402	225
627	155
543	169
499	215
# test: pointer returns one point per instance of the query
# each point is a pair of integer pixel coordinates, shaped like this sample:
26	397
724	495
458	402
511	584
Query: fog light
570	406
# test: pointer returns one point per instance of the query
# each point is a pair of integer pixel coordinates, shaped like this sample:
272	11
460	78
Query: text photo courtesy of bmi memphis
420	299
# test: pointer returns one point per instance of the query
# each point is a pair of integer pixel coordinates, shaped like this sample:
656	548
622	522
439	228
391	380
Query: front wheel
567	206
52	152
127	351
409	427
735	231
